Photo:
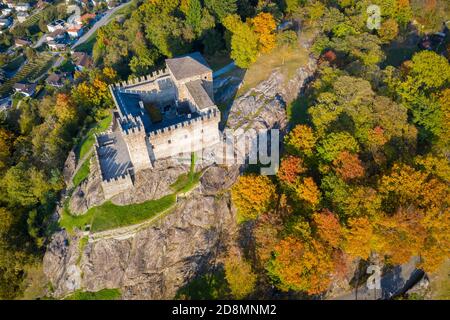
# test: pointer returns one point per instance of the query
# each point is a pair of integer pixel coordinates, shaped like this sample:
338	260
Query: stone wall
116	185
190	136
137	148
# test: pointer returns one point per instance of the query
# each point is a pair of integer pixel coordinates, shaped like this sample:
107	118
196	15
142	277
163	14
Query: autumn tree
252	195
335	143
221	8
244	41
291	167
238	272
388	30
307	190
6	140
301	140
359	237
328	228
301	266
348	166
264	26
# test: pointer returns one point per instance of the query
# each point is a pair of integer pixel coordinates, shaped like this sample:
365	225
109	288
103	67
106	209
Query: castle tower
133	133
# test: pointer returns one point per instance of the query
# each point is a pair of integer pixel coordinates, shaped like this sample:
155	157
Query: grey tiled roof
188	66
199	94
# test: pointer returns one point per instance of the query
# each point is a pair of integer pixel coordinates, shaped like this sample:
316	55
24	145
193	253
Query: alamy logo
234	147
374	280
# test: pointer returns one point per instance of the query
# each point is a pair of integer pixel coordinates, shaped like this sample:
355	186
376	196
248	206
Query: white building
57	24
22	16
23	6
75	31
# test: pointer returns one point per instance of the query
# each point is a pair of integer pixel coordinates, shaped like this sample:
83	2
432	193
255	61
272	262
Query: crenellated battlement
122	178
130	125
141	80
186	124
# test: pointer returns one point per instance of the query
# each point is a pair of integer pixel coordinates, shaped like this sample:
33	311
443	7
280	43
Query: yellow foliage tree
264	26
308	191
252	195
239	275
358	238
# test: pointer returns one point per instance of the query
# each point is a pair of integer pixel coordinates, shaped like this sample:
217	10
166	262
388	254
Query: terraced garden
29	72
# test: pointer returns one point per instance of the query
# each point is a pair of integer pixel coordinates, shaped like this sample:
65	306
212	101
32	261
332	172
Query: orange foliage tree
264	26
65	109
252	195
328	228
291	167
358	238
301	266
348	166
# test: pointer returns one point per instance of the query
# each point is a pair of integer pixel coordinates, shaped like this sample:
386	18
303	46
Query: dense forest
365	168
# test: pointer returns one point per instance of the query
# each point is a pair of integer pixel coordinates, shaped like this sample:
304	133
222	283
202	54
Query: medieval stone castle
157	116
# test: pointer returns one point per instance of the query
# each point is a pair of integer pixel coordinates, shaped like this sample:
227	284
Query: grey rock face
264	107
157	260
69	167
153	183
88	194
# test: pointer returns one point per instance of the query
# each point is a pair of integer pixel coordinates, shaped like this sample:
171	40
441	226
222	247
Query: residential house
81	60
85	19
27	89
21	43
75	31
22	16
6	12
58	80
56	46
22	6
57	35
55	25
10	3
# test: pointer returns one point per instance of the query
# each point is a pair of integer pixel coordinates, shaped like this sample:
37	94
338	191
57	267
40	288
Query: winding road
100	23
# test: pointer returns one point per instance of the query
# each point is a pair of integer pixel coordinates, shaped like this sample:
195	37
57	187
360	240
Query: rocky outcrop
89	193
157	260
153	183
69	167
264	107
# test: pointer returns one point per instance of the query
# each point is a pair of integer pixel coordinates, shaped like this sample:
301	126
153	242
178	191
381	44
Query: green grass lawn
288	60
110	216
105	294
187	181
82	173
86	144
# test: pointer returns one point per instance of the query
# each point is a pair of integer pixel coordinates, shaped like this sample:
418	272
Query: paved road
40	41
100	23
